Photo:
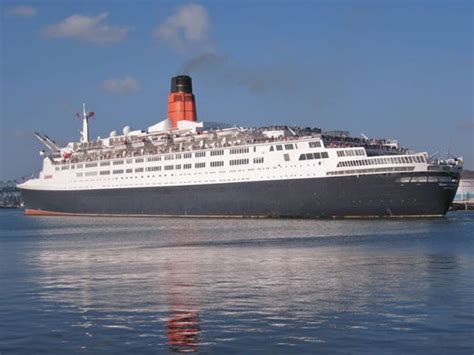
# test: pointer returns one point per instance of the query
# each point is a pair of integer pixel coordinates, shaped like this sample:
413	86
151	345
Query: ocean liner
182	167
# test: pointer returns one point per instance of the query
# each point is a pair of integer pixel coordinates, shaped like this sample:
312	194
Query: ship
182	167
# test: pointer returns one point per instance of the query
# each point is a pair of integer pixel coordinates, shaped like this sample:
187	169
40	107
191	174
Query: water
129	285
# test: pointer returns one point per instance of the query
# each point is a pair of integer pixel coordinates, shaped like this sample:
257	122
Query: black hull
362	196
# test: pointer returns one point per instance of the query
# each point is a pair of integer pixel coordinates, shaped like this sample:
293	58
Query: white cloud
87	29
189	25
121	86
22	10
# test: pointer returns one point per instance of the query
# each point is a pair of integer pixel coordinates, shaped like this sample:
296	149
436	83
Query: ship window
178	167
65	167
350	153
340	153
242	150
117	162
200	154
238	161
217	152
309	156
139	170
279	147
177	156
91	165
129	161
187	166
289	146
79	166
419	179
200	165
286	157
91	173
57	168
153	159
216	164
169	157
303	157
119	171
169	167
104	163
79	175
317	155
315	144
325	155
104	172
128	171
139	160
271	148
187	155
258	160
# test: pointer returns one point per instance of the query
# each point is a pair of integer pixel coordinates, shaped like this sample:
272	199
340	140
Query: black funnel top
182	83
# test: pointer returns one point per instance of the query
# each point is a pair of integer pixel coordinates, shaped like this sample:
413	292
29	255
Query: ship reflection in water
285	286
183	325
183	331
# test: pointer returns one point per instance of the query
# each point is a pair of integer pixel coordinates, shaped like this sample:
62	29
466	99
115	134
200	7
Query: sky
390	69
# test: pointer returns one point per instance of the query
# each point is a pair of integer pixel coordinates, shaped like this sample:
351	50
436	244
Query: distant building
10	197
465	191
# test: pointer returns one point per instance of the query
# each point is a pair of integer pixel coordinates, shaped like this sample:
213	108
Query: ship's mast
85	125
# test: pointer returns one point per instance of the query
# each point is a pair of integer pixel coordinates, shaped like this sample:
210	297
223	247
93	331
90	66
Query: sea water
163	285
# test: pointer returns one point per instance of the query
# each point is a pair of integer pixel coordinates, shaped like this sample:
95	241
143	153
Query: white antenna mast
85	125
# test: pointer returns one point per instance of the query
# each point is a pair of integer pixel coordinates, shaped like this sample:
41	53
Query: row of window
417	179
315	144
373	170
384	160
239	150
310	156
280	147
351	153
238	162
213	164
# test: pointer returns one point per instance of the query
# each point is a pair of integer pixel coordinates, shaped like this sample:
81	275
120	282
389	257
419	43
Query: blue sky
393	69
